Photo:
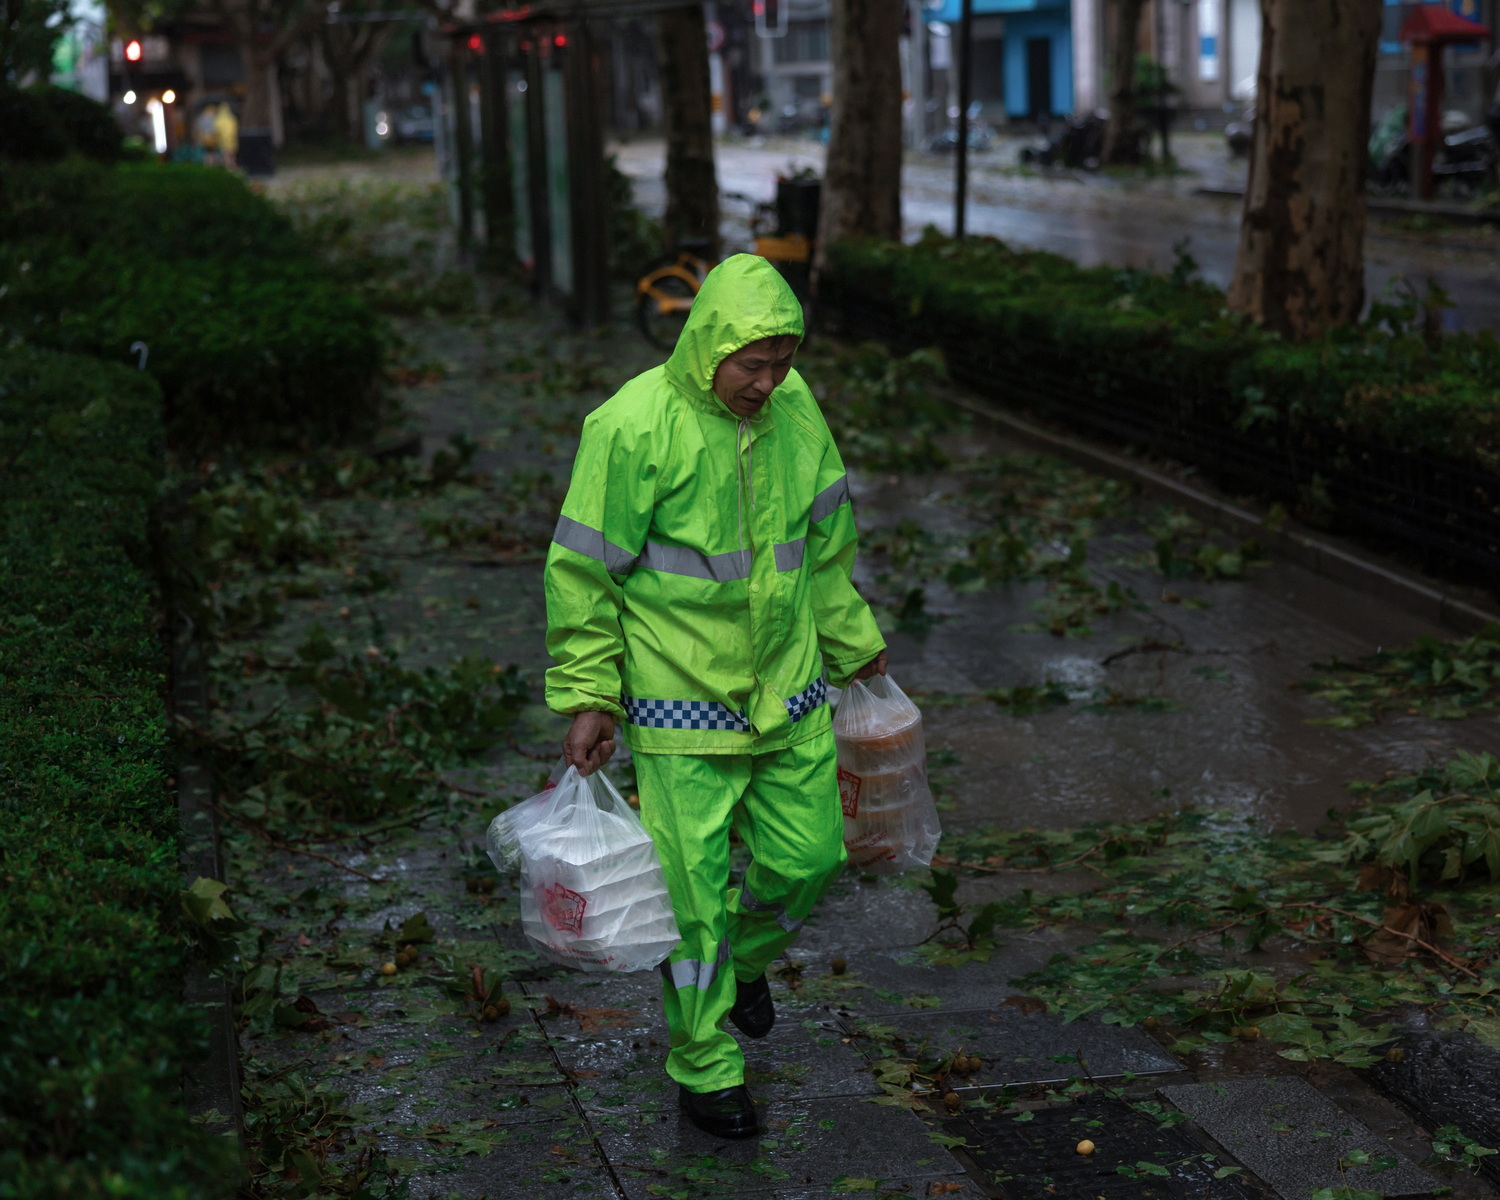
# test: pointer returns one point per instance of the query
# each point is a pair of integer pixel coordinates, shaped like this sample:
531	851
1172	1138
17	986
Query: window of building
805	42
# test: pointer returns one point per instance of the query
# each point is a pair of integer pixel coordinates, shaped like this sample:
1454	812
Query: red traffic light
476	43
133	50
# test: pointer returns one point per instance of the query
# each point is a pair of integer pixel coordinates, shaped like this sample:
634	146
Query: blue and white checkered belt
710	714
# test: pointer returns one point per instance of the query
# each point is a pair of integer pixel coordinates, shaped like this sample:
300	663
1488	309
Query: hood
742	300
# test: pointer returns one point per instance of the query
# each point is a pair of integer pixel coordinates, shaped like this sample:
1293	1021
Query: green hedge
248	334
93	1033
1386	379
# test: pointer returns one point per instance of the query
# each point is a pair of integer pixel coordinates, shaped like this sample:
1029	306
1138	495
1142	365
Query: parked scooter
1080	143
1466	161
981	133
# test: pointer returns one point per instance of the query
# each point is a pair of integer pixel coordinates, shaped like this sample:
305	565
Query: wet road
1098	220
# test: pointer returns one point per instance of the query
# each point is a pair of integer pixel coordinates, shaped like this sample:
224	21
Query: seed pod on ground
952	1101
1150	1023
1395	1054
388	968
838	966
487	884
501	1006
491	1013
1085	1147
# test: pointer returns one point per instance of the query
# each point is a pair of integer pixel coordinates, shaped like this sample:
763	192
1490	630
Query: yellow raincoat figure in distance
698	590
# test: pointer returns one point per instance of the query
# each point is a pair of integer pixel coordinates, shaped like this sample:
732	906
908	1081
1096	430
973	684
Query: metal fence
1433	511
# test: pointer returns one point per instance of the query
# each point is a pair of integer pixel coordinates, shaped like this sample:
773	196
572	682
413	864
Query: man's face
746	379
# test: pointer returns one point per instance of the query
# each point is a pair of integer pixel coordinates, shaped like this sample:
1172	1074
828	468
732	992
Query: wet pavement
563	1094
1098	219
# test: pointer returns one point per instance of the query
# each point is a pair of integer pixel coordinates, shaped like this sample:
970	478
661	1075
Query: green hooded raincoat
698	584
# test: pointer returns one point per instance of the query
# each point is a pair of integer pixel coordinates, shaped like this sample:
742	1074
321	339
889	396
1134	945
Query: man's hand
590	741
876	666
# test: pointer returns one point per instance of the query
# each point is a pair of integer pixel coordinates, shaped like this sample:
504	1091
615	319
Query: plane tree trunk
1300	268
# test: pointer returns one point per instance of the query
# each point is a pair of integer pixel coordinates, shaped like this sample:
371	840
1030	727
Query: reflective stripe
692	972
586	540
789	554
750	902
683	714
807	699
827	501
710	714
684	560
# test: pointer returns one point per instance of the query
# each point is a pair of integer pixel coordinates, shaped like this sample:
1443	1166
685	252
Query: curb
210	1083
1405	591
1391	207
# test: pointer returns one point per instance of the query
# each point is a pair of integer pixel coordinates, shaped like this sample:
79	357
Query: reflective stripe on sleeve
590	542
692	972
684	560
789	554
826	502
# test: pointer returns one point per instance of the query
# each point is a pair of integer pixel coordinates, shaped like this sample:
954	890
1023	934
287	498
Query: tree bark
263	29
1122	141
1300	268
687	102
862	178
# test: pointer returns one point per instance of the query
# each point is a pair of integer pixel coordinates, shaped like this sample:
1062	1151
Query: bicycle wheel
662	307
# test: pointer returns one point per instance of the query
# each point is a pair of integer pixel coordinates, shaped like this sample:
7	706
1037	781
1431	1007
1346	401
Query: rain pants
698	588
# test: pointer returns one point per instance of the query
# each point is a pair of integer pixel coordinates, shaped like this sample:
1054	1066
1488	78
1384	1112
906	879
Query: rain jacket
698	582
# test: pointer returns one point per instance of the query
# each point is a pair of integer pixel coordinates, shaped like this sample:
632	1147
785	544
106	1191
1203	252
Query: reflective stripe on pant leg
792	823
690	972
685	805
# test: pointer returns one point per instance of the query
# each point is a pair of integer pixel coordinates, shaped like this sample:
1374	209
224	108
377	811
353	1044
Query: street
1097	219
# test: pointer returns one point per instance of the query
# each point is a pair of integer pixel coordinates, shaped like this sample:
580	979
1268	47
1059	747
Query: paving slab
1451	1079
553	1161
1020	1047
810	1146
1034	1155
1293	1136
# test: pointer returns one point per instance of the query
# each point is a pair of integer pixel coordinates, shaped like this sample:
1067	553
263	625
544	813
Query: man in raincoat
698	590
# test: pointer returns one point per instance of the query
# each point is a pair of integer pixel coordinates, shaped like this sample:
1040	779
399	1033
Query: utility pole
965	82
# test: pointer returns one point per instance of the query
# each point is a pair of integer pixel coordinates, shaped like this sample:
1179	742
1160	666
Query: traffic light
133	50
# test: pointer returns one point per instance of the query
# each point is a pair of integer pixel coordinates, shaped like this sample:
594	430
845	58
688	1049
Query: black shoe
728	1113
753	1013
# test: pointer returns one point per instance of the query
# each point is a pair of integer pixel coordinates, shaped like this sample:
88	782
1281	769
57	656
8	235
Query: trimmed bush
29	129
1388	379
249	335
93	1031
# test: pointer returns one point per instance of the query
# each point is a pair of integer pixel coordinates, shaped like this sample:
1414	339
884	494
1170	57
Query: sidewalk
564	1096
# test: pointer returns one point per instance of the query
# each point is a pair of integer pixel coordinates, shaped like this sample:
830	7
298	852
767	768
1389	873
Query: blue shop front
1034	58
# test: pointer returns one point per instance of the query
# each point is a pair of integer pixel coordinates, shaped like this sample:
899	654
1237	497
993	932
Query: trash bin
797	206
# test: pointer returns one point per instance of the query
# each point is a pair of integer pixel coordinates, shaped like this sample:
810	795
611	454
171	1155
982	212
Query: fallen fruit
1395	1054
1150	1023
491	1012
952	1101
501	1006
1085	1147
1249	1032
838	966
388	968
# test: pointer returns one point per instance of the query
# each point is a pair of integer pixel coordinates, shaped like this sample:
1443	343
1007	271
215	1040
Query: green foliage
1173	894
250	337
45	123
1386	379
881	408
1430	678
388	242
371	741
92	928
1448	827
634	238
28	33
1454	1148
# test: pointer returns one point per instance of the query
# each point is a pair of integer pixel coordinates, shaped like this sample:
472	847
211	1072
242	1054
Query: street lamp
169	97
128	97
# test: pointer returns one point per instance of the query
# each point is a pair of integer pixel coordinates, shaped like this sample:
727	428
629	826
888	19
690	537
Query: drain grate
1038	1159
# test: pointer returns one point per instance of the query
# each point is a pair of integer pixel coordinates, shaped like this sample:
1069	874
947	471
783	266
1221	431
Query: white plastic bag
890	820
592	891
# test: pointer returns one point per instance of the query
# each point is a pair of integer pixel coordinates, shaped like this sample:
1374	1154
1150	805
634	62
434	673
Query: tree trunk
687	102
1300	267
348	49
862	179
257	58
1122	141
